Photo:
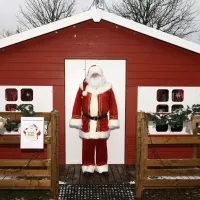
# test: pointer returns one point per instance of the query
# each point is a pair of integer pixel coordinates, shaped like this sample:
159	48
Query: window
177	95
174	107
26	94
10	107
11	94
162	128
177	127
39	97
162	95
164	100
162	108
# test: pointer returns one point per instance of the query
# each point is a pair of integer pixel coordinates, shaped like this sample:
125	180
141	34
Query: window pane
174	107
11	94
162	95
11	107
177	128
177	95
162	128
26	94
162	108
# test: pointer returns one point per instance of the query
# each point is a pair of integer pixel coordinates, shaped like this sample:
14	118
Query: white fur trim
93	112
113	123
102	168
94	70
100	90
84	93
75	123
94	135
94	106
93	126
89	168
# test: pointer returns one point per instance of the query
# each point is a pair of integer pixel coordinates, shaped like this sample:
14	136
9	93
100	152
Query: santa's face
95	75
96	80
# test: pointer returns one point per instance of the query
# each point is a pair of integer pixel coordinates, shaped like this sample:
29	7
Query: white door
115	73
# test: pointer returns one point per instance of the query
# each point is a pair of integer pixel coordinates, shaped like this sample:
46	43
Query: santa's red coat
95	103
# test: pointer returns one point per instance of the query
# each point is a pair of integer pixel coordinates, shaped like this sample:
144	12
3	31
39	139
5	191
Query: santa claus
95	99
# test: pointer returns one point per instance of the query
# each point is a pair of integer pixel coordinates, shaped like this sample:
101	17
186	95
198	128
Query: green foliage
27	109
176	118
12	125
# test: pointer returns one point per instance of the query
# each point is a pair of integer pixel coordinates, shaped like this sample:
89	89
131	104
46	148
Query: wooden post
195	148
54	156
144	155
138	183
57	149
49	133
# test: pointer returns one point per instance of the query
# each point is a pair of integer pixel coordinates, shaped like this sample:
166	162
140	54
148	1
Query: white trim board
97	15
173	177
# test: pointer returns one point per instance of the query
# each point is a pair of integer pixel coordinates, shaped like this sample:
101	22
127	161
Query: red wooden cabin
153	58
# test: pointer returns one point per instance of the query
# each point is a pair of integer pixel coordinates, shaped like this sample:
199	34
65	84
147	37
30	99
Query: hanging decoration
177	117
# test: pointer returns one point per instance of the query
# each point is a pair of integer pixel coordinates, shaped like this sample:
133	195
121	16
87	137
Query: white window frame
42	100
147	102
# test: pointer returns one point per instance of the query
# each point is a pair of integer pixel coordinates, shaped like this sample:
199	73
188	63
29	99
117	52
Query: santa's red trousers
88	152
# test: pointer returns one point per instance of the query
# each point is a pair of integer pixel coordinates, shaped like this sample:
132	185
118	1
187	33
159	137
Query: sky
10	8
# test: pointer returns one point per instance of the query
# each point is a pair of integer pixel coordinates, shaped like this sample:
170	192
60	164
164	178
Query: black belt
95	117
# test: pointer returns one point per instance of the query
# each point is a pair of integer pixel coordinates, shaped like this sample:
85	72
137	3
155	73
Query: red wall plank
33	74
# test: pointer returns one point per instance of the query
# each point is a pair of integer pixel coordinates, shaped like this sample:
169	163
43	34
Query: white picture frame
32	133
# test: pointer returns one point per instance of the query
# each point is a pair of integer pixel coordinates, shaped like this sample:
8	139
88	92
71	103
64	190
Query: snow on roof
97	15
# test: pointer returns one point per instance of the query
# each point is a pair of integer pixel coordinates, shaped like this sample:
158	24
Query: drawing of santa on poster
32	133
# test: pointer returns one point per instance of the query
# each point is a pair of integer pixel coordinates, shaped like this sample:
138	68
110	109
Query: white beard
96	82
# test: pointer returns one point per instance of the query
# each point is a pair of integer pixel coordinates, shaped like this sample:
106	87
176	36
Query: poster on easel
32	133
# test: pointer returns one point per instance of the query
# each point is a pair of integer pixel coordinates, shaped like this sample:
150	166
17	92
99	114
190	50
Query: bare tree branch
36	13
6	33
176	17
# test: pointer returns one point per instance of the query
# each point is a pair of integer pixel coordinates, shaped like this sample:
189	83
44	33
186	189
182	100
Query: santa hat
94	69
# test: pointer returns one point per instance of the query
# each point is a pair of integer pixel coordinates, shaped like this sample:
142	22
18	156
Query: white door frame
115	73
